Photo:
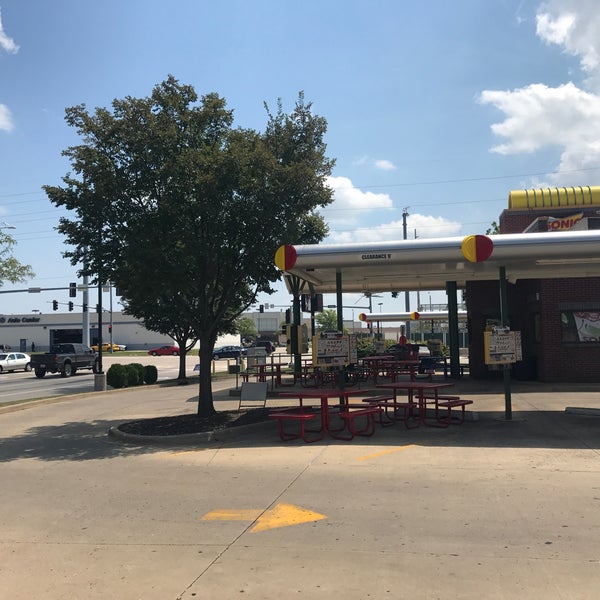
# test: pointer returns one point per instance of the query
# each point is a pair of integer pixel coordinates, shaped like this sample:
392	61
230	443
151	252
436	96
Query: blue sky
441	107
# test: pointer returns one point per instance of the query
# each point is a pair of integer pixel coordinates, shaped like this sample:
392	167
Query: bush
150	374
140	371
116	376
119	376
132	374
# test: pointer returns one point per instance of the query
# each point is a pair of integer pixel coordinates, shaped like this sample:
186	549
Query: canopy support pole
505	323
453	329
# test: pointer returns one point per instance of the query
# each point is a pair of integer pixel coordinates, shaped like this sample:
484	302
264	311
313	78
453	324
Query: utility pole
406	293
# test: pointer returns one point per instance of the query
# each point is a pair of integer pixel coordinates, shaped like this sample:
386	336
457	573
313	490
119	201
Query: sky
437	108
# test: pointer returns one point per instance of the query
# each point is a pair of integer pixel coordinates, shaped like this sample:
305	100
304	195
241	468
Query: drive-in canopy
427	264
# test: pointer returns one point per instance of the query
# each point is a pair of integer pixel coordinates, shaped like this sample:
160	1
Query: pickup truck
65	359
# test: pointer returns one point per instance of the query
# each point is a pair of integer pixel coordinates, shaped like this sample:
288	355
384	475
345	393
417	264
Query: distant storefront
38	332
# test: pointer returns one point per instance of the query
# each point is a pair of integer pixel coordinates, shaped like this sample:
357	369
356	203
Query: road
486	510
20	386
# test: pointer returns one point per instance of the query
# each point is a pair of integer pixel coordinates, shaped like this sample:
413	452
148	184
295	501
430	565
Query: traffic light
288	315
54	304
110	329
261	308
84	307
70	306
72	290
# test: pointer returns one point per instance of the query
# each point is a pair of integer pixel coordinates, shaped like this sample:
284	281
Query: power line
402	184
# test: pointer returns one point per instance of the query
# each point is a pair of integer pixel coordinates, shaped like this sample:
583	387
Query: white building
21	331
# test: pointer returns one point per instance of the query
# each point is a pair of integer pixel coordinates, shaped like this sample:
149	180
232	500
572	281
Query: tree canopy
327	320
184	212
10	268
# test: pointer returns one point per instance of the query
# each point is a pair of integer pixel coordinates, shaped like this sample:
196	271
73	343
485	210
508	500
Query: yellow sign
281	515
502	348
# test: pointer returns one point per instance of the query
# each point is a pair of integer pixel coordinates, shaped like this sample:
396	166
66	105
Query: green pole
451	289
505	323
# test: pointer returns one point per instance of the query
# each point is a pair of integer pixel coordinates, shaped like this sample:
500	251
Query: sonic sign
563	223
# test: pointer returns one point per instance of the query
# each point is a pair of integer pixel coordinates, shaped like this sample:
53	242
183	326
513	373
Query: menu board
334	350
502	347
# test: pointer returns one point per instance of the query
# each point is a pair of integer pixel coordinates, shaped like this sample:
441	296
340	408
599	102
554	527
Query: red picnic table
418	388
324	395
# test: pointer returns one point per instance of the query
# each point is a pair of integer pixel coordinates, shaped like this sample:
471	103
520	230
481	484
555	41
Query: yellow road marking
384	452
232	515
284	515
281	515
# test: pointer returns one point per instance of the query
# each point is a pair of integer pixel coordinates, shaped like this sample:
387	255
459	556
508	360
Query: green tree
326	320
493	229
246	328
10	268
184	212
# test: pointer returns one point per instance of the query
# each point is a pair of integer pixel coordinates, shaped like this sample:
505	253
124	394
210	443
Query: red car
165	351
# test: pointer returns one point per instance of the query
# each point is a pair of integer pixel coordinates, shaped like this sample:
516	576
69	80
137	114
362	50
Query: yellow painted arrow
281	515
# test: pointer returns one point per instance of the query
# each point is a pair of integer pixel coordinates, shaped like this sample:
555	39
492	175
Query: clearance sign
564	223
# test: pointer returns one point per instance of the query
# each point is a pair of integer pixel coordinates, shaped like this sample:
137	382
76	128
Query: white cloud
566	117
350	204
353	207
7	43
574	25
382	164
425	226
6	123
539	116
385	165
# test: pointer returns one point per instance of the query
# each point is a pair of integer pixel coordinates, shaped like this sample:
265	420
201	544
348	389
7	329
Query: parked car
14	361
106	347
165	351
266	344
229	352
399	349
66	359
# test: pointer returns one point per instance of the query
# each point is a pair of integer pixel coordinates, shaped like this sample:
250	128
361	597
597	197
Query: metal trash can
256	357
435	347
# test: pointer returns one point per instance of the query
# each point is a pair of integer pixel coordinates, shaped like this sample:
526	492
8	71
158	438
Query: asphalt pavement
489	509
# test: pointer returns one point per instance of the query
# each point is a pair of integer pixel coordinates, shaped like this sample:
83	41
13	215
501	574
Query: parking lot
490	509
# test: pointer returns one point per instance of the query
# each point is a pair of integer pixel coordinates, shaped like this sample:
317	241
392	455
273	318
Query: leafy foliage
326	320
116	376
246	328
184	212
10	268
150	374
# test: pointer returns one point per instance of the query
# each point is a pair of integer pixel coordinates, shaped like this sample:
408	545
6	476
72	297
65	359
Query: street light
5	225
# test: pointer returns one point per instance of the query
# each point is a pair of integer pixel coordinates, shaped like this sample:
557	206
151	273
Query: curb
589	412
220	435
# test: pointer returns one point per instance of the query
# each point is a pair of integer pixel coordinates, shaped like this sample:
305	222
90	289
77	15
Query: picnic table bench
350	413
299	416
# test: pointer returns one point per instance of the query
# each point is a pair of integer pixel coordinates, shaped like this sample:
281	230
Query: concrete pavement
489	509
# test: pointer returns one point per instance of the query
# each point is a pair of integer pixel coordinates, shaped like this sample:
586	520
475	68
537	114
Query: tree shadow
76	440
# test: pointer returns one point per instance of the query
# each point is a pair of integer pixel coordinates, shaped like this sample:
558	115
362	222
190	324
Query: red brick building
559	319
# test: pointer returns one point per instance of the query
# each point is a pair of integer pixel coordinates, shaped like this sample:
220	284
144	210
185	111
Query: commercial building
539	276
39	331
558	317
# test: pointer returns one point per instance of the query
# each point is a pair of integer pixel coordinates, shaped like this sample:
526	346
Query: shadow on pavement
75	441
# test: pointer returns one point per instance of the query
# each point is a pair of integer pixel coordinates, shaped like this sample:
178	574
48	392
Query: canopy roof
427	264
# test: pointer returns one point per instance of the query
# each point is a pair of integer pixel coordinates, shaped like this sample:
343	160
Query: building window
580	326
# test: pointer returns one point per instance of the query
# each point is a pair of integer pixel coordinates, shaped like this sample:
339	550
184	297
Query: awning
427	264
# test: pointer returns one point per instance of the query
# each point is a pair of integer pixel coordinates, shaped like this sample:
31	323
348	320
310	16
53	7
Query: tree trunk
182	355
205	397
